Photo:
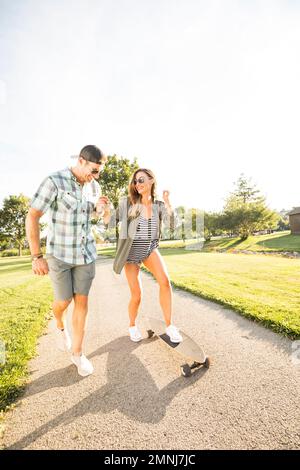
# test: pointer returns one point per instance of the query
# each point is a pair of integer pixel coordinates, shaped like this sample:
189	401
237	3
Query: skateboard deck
187	348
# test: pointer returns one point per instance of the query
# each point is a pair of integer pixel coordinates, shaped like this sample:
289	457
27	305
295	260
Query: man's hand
101	204
40	267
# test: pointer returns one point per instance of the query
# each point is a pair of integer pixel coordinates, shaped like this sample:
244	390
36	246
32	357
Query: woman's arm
168	206
167	212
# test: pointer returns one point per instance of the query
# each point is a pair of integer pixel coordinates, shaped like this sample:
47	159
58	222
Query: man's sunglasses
94	171
140	180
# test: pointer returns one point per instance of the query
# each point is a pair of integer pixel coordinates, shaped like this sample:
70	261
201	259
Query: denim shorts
69	279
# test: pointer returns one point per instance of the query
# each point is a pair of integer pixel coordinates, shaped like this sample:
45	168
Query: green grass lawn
282	241
263	288
25	302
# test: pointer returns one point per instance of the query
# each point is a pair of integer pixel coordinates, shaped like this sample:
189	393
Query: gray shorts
69	279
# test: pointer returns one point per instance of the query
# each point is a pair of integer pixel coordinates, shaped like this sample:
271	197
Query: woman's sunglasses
140	180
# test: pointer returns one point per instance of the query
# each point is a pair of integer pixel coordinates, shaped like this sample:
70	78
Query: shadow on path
130	389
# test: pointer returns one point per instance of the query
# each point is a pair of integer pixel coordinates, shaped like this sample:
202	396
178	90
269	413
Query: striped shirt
145	240
69	237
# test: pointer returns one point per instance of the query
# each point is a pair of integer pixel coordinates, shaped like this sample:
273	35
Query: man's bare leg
79	322
59	309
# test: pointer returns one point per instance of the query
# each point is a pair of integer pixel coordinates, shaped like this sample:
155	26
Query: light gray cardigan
128	229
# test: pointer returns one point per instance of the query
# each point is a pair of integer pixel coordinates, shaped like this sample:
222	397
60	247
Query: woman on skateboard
141	216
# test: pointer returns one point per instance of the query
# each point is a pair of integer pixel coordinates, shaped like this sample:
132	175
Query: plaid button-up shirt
69	237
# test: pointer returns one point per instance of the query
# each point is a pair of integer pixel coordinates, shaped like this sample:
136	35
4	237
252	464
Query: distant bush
14	252
6	253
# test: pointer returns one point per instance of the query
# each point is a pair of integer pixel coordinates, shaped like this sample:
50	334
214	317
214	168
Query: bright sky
199	91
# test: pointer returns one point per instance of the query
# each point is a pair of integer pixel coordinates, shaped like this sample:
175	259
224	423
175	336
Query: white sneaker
63	339
135	334
173	334
84	366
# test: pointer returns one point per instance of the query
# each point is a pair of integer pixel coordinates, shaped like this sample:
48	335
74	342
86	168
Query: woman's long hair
135	198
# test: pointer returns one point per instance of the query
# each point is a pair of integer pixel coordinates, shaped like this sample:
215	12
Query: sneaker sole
84	374
176	342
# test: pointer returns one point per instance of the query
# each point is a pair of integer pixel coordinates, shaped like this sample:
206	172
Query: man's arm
103	209
40	265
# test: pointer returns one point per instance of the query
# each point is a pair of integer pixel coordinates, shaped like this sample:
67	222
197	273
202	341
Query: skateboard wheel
186	370
207	363
150	333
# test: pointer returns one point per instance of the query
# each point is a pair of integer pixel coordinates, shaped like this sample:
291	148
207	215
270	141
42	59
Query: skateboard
190	350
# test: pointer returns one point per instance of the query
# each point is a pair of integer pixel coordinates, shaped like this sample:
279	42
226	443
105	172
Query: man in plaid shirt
71	248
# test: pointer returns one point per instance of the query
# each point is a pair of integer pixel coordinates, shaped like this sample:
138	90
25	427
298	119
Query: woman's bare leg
132	272
157	267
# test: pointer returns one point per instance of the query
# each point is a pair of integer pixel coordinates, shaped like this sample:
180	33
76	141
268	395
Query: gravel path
137	399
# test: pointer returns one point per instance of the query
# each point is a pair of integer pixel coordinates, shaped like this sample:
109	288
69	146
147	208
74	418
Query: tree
212	225
115	176
12	220
245	192
246	212
284	223
114	180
